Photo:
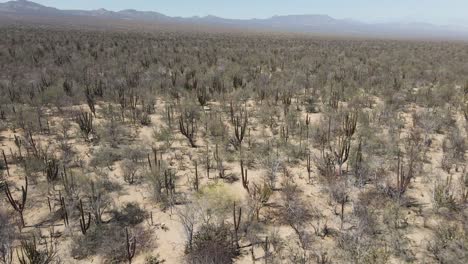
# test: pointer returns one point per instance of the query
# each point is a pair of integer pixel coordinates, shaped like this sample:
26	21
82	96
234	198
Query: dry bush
211	244
368	116
108	240
7	237
449	244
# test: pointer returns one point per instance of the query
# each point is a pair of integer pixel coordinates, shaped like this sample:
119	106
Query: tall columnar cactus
33	144
236	216
465	106
219	162
17	205
85	122
240	127
63	208
245	179
84	225
68	182
52	170
6	163
131	246
19	144
197	181
343	141
207	161
309	167
90	100
187	128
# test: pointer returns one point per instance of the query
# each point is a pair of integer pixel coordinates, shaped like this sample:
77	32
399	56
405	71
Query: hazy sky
434	11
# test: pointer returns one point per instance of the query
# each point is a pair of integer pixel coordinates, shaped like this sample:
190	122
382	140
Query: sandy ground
170	241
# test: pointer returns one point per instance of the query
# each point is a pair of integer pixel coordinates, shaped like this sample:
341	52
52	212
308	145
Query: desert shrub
292	122
108	240
261	150
3	124
444	94
28	118
34	164
133	164
394	216
154	260
130	214
269	116
212	245
297	213
273	166
105	157
443	119
216	127
31	252
144	119
312	105
363	249
7	236
295	153
454	146
135	152
130	171
443	194
113	132
449	244
396	222
2	173
426	121
218	199
164	135
55	95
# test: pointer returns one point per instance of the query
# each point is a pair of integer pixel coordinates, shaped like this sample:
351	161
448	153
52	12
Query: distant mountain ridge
319	24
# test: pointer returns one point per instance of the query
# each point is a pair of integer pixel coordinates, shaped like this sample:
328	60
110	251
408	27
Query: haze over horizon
436	12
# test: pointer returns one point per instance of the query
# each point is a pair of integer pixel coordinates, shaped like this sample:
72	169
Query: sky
432	11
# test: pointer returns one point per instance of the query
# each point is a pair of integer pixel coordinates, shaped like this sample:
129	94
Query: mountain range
22	10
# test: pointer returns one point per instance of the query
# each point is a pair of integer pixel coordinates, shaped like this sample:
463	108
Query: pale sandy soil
170	241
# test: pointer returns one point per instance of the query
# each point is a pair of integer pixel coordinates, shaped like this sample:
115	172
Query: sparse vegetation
258	148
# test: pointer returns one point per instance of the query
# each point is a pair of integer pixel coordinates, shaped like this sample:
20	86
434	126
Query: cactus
219	163
169	182
236	220
68	182
18	143
343	144
83	224
52	170
240	127
17	205
63	208
90	101
208	163
358	159
169	115
266	248
285	133
187	128
6	163
196	183
245	180
309	168
131	246
202	96
85	122
32	143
